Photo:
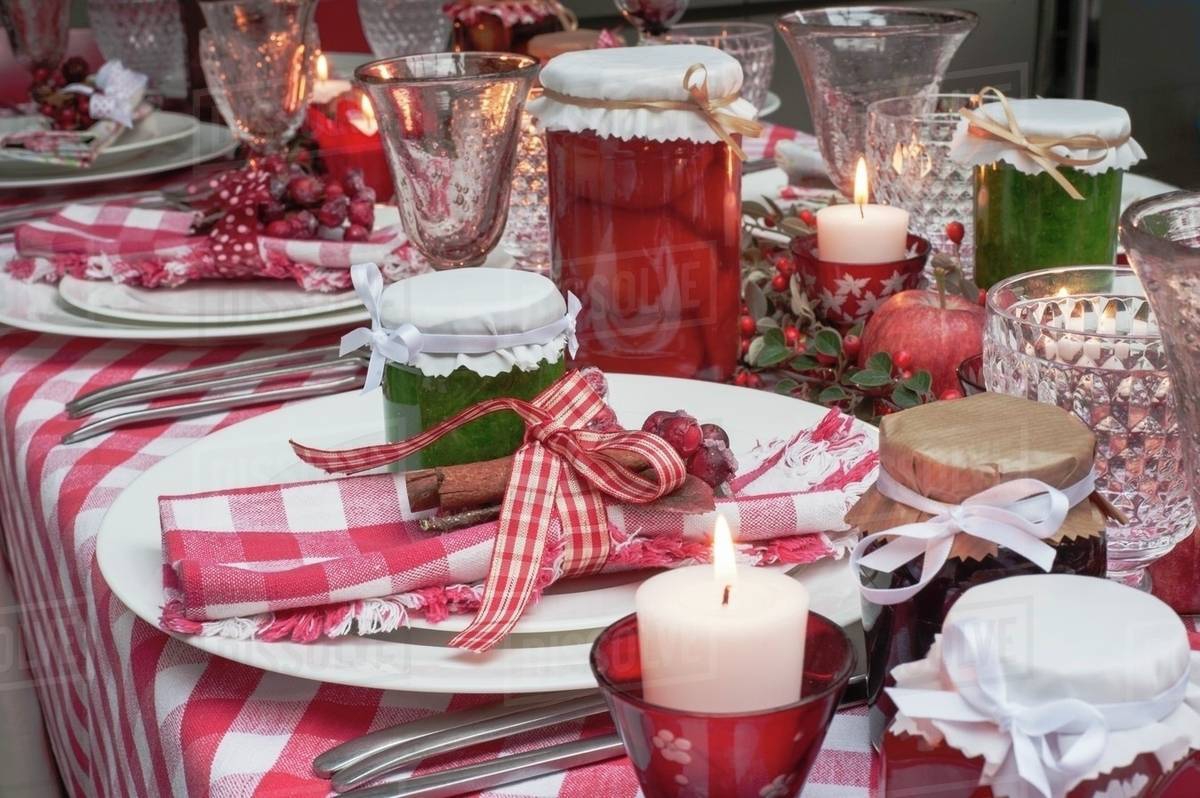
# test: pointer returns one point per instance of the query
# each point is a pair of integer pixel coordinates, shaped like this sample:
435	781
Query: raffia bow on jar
562	472
1044	135
1030	685
723	123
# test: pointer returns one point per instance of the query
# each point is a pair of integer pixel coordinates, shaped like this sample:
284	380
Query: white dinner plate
203	144
550	650
155	130
204	302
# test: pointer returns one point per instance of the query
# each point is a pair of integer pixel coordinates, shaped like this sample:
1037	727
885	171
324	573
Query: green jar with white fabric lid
1047	181
451	339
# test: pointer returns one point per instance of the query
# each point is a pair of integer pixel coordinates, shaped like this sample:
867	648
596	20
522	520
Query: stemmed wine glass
258	58
651	17
37	30
449	123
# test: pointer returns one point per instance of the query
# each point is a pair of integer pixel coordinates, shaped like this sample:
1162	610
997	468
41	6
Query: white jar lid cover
1063	649
1051	119
646	74
487	320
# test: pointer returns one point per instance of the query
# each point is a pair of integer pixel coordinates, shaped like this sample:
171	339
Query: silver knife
454	739
505	770
360	748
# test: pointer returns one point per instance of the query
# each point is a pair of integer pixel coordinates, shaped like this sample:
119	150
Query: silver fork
343	373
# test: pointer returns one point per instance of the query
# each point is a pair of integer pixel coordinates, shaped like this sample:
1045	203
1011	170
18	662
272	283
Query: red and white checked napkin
322	559
157	248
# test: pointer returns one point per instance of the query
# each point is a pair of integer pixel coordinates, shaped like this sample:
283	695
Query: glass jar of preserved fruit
448	340
1048	181
969	491
1049	685
645	203
504	26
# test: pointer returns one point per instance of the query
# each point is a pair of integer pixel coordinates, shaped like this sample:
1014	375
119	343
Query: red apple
938	338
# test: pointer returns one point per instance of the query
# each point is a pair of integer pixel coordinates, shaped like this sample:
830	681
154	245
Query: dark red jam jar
502	26
948	452
645	210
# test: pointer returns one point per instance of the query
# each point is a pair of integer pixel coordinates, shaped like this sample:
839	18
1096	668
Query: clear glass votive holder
908	152
1085	338
679	753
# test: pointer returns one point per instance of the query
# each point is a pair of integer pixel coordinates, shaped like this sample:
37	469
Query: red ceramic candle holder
680	754
845	294
344	147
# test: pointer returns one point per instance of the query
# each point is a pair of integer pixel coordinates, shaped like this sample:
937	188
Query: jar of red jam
949	465
645	204
504	26
1049	685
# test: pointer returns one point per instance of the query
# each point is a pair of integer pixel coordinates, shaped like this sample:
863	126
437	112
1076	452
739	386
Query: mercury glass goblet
1086	339
404	27
37	30
260	58
450	123
908	153
1161	236
751	43
146	36
851	56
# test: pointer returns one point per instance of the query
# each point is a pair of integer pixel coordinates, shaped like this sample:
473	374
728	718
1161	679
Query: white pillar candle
325	89
862	232
724	638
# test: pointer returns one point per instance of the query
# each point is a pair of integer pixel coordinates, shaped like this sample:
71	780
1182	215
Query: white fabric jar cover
638	74
1105	668
487	320
1050	120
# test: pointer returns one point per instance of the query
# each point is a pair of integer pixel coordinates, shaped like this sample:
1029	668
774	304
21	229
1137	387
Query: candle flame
724	564
368	110
862	188
322	67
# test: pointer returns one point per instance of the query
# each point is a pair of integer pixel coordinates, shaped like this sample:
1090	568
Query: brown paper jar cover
949	451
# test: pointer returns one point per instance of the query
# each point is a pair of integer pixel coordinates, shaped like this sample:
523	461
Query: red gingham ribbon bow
561	468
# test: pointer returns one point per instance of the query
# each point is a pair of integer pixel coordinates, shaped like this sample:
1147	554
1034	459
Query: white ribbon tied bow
404	343
1039	755
117	94
1020	515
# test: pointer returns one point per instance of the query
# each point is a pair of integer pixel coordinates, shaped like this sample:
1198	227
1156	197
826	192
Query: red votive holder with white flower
766	753
845	294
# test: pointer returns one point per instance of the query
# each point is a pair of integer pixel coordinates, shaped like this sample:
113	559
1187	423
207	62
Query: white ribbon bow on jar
404	343
1020	515
117	93
1053	745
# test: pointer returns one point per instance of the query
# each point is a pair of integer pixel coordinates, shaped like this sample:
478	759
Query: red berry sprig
65	110
703	447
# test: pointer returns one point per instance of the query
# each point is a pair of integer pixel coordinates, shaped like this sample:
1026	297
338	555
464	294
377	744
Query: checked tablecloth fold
322	559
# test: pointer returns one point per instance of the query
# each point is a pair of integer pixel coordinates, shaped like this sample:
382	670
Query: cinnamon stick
469	485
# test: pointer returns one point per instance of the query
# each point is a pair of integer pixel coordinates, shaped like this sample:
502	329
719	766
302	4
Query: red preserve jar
1119	656
645	205
504	26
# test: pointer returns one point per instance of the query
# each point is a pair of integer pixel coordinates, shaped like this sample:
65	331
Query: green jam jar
483	334
1027	222
1025	218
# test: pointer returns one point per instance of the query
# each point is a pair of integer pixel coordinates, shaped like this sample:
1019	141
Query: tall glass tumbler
908	154
1086	339
404	27
450	124
852	56
1162	238
260	59
146	36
